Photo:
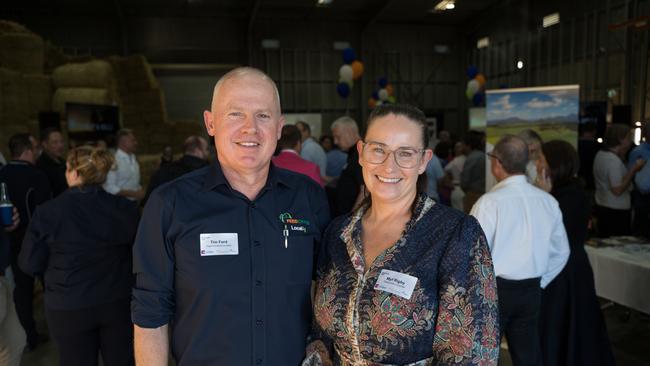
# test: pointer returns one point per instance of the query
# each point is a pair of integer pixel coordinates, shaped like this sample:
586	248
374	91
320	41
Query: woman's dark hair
563	162
416	116
615	134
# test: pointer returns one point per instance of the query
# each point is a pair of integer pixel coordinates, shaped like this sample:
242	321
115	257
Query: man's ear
280	125
208	119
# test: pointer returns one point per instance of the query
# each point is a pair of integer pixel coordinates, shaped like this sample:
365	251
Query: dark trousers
81	334
24	301
519	305
641	222
612	222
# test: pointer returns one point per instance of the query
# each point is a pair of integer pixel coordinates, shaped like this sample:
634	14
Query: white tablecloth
622	274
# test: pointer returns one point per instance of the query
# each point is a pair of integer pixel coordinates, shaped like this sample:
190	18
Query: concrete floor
629	333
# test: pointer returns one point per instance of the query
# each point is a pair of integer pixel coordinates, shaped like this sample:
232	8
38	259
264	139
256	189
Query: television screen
90	122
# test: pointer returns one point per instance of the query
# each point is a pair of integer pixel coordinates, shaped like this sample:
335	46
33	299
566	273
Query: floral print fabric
451	317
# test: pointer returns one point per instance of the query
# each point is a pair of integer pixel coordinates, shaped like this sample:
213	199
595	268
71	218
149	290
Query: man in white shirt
124	179
311	150
524	229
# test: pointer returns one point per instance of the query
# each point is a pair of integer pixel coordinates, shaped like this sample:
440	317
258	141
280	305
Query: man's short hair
346	122
474	139
19	143
243	72
305	126
45	134
193	143
512	153
530	136
122	133
289	138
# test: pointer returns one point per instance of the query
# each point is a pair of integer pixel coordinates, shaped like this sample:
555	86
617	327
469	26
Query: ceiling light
600	140
323	2
551	19
444	5
520	64
483	42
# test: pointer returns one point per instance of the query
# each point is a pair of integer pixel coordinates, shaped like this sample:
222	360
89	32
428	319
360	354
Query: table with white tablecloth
622	274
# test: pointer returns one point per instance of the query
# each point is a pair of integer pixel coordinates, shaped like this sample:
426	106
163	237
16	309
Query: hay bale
22	52
93	74
7	26
54	57
80	95
14	101
39	93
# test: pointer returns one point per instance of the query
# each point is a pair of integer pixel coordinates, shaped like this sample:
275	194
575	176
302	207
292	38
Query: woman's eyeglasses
377	153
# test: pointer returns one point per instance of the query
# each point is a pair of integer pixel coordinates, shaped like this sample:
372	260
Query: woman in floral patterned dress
403	280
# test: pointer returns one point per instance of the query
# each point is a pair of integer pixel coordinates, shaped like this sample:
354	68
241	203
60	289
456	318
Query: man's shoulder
186	183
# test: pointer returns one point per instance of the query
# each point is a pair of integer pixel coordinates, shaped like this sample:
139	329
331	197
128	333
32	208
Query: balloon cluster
475	86
382	95
351	70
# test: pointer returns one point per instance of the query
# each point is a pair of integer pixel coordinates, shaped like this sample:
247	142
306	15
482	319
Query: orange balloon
481	79
372	103
357	69
389	89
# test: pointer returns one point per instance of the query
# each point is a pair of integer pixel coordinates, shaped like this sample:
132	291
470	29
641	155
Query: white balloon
345	72
473	86
383	94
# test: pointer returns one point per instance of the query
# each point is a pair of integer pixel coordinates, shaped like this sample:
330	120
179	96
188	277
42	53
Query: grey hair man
524	229
348	189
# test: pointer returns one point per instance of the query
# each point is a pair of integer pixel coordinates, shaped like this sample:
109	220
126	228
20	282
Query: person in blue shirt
434	174
641	192
224	255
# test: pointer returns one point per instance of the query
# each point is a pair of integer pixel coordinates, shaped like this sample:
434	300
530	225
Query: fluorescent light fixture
270	43
444	5
323	2
341	45
637	135
441	48
551	19
483	42
520	64
638	123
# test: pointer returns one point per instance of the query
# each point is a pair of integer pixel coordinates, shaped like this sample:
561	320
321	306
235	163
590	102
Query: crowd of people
419	252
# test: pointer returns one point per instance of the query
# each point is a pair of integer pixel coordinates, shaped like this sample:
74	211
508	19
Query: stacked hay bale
142	103
90	82
24	89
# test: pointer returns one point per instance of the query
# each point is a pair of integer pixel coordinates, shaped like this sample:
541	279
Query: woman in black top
572	327
81	243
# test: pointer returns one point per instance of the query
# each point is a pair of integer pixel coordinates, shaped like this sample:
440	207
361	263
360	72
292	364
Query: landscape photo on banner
551	111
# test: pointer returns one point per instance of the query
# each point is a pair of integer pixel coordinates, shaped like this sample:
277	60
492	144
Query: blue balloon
382	82
375	95
349	55
472	71
478	98
343	89
503	86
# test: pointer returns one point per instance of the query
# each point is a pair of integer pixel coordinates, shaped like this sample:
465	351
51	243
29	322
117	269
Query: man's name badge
396	283
219	244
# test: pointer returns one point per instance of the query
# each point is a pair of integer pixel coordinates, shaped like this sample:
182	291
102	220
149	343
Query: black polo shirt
252	308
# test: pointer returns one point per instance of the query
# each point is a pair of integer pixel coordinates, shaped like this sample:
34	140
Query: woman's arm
467	328
624	184
34	252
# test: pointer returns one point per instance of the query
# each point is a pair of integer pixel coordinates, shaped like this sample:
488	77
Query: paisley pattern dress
450	318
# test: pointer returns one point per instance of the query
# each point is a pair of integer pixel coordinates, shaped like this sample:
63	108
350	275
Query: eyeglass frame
490	155
418	151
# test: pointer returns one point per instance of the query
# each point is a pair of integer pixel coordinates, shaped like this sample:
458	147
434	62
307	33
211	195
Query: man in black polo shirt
28	187
224	255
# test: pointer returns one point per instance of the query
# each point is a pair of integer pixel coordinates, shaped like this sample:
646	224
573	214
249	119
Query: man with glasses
529	246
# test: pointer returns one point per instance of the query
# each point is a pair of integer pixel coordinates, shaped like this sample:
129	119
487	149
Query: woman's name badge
396	283
219	244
